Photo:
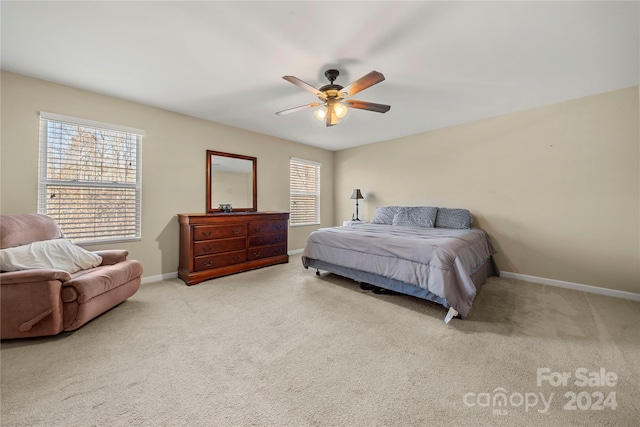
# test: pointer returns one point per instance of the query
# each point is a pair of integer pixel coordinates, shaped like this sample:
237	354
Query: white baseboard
570	285
160	277
524	277
295	251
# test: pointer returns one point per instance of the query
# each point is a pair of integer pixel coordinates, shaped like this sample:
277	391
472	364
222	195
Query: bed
442	261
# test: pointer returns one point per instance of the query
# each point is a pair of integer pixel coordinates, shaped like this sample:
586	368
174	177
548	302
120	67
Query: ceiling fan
333	104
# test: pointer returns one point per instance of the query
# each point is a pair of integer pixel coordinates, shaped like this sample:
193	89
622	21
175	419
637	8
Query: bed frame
479	277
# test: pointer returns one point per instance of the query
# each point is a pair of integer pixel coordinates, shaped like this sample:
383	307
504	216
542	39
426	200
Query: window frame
44	182
316	192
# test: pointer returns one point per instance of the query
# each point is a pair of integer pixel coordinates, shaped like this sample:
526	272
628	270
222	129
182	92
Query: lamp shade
356	194
337	111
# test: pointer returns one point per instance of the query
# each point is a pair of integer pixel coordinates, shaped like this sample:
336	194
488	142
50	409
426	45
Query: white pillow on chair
59	254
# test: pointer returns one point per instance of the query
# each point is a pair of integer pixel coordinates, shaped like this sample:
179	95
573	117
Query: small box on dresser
214	245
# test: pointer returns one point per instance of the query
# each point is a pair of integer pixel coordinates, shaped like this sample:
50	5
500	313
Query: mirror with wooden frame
231	180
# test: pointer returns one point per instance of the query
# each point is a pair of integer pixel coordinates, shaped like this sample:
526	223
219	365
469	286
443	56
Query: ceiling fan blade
362	83
370	106
331	118
306	86
302	107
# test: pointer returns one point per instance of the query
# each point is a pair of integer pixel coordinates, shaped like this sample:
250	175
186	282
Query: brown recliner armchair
47	301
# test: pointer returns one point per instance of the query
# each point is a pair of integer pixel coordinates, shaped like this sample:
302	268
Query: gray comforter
440	260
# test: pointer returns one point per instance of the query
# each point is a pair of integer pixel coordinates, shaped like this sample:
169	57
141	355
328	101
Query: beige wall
557	187
173	162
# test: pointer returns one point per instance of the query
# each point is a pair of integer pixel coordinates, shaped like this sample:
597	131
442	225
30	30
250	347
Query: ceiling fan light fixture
341	110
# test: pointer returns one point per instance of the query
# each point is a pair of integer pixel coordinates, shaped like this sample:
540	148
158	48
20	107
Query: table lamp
357	195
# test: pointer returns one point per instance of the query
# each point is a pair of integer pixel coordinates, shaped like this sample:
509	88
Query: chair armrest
112	256
99	280
31	276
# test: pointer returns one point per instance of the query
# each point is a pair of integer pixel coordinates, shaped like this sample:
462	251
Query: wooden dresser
216	245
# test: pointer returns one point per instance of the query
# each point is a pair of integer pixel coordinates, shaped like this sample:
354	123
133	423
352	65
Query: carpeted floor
280	346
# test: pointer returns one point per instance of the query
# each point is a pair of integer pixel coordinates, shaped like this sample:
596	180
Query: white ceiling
445	63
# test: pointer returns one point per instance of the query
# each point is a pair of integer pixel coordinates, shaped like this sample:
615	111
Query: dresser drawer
266	251
267	239
208	232
222	260
209	247
257	227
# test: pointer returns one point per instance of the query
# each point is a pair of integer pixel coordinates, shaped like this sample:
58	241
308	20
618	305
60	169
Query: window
305	192
90	178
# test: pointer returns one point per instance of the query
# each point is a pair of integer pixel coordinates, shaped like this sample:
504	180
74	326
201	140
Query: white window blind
90	178
304	192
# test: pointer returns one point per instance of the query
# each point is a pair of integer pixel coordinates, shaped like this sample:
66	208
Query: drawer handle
235	258
279	239
256	228
207	233
235	231
278	227
208	264
207	249
256	253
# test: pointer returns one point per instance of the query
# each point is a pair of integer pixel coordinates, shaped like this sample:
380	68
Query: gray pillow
384	215
418	216
453	218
